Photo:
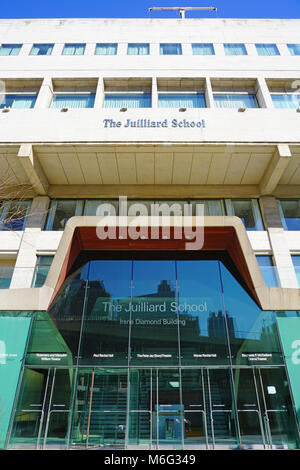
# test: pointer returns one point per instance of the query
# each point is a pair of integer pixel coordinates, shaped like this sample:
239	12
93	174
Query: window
73	100
235	100
179	100
282	101
267	49
268	270
170	49
41	49
6	272
106	49
13	215
74	49
10	49
138	49
18	101
41	270
203	49
127	100
235	49
294	49
247	210
61	211
296	263
290	213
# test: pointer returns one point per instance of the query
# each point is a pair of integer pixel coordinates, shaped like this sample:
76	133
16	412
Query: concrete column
99	98
154	93
278	242
26	258
263	94
209	97
45	94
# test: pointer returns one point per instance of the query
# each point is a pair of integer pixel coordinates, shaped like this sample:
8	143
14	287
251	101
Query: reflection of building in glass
216	325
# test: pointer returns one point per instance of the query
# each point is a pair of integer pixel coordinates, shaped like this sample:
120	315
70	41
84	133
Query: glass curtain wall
159	353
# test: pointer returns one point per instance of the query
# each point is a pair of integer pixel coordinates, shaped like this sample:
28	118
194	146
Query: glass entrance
154	408
42	418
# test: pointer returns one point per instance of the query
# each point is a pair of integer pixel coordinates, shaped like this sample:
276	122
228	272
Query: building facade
149	242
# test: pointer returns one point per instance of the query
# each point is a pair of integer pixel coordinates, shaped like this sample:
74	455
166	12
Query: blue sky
139	8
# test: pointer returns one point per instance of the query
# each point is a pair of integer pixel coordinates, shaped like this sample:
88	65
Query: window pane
201	313
18	101
212	207
6	273
127	100
248	212
286	101
41	49
296	263
294	49
138	49
181	100
73	101
10	49
101	207
291	214
235	49
228	100
267	49
203	49
13	215
106	49
170	49
268	270
107	313
154	321
74	49
60	213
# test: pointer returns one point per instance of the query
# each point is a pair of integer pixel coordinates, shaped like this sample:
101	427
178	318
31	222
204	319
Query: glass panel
153	320
294	49
60	212
6	273
106	49
140	407
193	399
267	49
248	212
121	100
30	410
291	101
18	101
170	49
73	101
101	207
211	206
249	412
203	49
291	214
168	100
58	418
41	270
296	263
74	49
14	215
201	317
252	331
10	49
167	418
105	330
222	427
101	402
235	49
238	100
138	49
279	416
41	49
268	271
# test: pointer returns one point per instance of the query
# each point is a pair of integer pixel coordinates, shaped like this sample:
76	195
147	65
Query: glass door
100	409
42	416
278	414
